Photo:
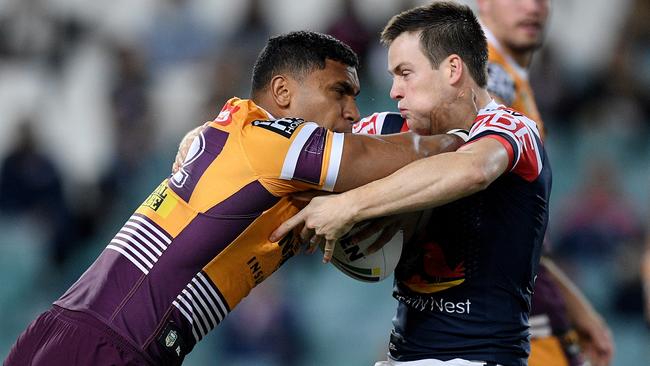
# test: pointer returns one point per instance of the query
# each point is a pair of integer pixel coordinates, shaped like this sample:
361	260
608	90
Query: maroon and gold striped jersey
199	243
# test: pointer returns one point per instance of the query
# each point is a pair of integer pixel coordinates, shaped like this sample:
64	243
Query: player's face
418	88
328	97
517	24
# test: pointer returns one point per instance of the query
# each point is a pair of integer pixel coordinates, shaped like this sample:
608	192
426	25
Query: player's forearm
576	303
367	158
438	144
422	184
424	146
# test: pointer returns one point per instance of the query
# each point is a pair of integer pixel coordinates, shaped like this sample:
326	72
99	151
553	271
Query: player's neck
266	103
472	99
481	98
522	58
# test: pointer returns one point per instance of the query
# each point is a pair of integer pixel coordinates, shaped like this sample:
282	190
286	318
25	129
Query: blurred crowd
94	98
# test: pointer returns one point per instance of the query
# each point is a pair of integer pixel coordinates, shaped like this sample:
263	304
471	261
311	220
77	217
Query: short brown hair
447	28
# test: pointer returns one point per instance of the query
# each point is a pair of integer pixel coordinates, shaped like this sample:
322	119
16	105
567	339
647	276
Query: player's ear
281	91
455	68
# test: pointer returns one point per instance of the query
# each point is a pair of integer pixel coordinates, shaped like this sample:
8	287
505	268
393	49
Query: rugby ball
351	259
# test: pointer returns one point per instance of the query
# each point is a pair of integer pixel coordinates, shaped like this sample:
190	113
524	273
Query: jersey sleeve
290	155
381	123
517	134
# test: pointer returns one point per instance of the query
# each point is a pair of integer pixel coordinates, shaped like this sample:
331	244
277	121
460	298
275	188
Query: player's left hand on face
325	218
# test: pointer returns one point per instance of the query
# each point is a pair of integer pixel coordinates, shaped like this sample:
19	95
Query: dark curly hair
298	53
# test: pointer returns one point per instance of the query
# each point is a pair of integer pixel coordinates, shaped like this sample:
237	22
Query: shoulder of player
259	120
500	117
282	126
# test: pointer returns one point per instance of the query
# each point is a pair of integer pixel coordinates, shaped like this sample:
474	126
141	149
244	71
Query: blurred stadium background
95	95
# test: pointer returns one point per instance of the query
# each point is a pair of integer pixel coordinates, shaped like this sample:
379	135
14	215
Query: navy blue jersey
464	283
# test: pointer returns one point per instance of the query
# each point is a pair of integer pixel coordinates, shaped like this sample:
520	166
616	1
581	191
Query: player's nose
396	91
351	112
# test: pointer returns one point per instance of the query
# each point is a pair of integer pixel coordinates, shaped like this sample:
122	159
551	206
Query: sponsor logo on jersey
156	198
284	126
438	272
225	116
160	201
171	338
439	304
289	246
256	270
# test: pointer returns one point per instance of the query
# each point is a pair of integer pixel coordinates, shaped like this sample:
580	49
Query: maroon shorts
64	337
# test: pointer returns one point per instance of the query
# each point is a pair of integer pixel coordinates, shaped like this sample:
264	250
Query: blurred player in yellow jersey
199	243
515	29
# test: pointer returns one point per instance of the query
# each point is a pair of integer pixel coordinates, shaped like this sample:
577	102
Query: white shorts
431	362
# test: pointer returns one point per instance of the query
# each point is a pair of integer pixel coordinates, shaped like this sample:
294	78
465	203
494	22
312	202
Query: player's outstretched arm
370	157
431	182
424	183
594	334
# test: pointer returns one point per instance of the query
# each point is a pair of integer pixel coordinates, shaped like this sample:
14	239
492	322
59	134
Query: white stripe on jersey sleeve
128	256
216	296
213	307
154	229
185	314
212	323
127	246
291	159
336	154
196	312
137	235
